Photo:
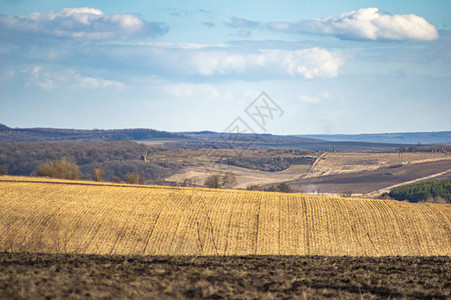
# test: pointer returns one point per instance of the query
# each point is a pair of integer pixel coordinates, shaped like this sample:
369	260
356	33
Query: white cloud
77	23
308	63
40	78
96	83
365	24
48	79
228	61
186	61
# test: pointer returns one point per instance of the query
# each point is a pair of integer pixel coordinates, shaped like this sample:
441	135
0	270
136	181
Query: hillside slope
345	162
64	216
8	134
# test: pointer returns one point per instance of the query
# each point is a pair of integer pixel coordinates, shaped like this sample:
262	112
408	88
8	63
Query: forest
114	158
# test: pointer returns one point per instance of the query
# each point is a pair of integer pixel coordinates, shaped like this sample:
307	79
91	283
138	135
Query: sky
326	66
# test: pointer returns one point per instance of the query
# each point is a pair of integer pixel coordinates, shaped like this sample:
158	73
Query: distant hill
439	137
262	138
332	142
309	142
8	134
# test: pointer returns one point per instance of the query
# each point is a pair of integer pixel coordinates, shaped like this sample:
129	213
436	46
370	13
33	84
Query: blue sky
331	66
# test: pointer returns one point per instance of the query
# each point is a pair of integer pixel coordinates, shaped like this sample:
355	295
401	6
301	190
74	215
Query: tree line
115	159
64	169
435	191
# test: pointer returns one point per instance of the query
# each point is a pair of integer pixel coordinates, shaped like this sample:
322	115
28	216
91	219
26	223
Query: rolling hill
388	142
47	215
8	134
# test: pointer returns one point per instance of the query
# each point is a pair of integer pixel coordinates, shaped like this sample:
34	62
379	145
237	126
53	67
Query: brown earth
335	173
350	162
65	276
367	182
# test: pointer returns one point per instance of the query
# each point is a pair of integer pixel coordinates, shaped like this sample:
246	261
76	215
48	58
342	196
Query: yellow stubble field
48	215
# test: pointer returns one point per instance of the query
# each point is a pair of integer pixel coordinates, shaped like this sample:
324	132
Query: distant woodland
8	134
114	158
422	192
117	159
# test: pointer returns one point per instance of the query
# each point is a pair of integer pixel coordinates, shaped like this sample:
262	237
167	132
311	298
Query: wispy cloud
78	24
307	63
197	62
208	24
236	22
244	27
364	24
167	45
243	32
48	79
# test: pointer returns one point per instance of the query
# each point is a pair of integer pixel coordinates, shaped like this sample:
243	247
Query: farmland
334	173
368	174
377	181
340	163
69	276
41	215
245	177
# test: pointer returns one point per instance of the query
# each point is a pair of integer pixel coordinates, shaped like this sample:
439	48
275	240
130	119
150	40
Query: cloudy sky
330	66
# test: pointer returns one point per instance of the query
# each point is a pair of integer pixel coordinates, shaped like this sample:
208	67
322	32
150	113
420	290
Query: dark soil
369	181
50	276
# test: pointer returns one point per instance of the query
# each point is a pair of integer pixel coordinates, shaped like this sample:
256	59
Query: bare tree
134	178
213	181
229	180
62	168
284	188
98	174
